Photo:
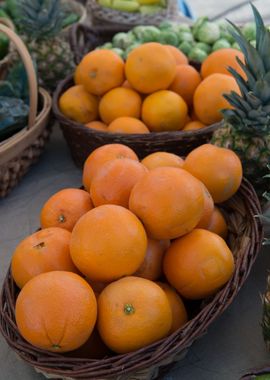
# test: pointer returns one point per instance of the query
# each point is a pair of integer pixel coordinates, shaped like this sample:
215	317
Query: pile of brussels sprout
196	41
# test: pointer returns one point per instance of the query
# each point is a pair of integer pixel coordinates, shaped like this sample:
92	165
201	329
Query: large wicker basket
245	237
20	151
100	15
82	140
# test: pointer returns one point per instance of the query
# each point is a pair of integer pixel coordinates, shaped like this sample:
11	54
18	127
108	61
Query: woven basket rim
248	235
147	137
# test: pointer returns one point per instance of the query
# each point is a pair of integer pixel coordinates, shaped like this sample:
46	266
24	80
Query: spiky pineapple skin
54	60
252	151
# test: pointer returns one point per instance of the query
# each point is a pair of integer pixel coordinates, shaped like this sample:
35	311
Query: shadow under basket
245	238
82	140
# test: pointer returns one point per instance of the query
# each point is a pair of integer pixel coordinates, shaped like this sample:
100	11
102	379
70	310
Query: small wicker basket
245	237
20	151
99	14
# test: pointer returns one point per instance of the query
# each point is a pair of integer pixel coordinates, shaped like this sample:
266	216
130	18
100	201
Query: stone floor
233	343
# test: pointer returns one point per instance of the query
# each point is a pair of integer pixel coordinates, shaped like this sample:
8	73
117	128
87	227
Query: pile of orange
155	90
114	265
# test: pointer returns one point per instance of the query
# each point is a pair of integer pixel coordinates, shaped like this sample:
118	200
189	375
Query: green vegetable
236	46
123	40
225	31
196	26
208	32
197	55
185	36
108	45
221	44
183	28
130	48
150	9
249	31
119	52
125	6
150	34
4	45
164	25
3	13
12	8
169	37
253	43
138	32
185	47
13	116
203	46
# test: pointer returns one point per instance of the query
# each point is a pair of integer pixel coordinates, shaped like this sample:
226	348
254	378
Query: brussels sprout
236	46
221	44
122	40
197	55
150	9
185	47
130	48
166	25
185	36
119	52
183	28
203	46
138	32
208	32
196	26
150	34
225	29
107	46
169	37
249	31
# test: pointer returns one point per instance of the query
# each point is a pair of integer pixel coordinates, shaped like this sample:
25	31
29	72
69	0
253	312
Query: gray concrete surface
233	343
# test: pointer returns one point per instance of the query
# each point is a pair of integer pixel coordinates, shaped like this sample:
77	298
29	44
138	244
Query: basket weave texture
20	151
99	14
245	237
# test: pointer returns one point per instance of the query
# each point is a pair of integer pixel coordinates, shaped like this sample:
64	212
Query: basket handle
31	74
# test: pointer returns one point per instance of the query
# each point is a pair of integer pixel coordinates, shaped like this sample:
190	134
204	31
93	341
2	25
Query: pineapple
40	23
247	126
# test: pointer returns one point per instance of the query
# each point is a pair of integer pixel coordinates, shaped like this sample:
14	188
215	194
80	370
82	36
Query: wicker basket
82	140
245	237
252	375
20	151
99	14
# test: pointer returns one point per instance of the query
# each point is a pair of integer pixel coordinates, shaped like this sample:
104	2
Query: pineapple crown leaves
40	19
251	113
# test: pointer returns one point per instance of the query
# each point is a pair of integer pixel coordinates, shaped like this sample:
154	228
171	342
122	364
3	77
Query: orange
198	264
208	98
219	169
151	268
219	61
98	125
64	208
78	105
208	209
115	180
120	102
179	56
179	313
100	71
150	67
127	125
218	224
56	311
44	251
158	159
169	201
186	80
193	125
164	111
107	243
132	313
102	155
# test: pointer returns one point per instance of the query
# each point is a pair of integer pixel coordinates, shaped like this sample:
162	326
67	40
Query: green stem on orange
129	309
